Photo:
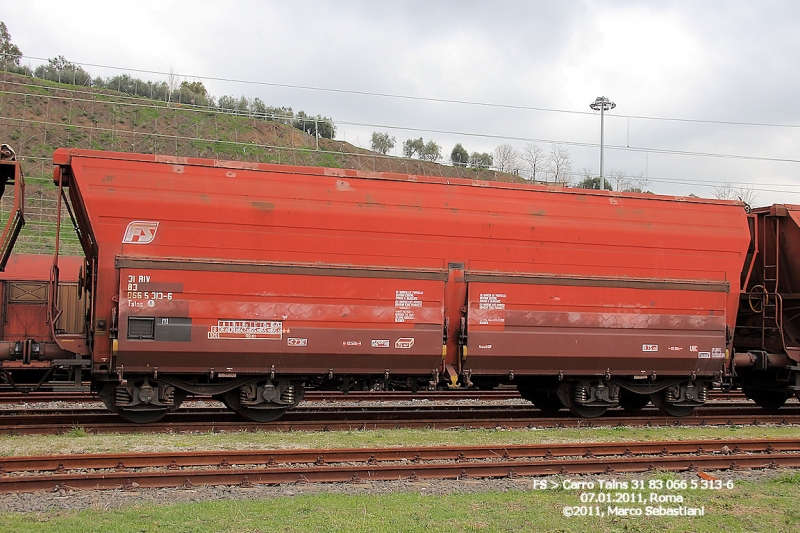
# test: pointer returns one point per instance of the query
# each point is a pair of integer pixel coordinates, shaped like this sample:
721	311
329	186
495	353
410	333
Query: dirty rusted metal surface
255	268
24	291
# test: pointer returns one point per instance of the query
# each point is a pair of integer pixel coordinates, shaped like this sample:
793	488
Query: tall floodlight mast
602	104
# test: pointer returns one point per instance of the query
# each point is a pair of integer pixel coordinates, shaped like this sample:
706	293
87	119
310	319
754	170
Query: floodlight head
601	103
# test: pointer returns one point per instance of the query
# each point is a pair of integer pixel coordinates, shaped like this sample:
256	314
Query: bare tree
624	183
535	161
639	183
727	191
559	163
618	180
173	82
506	158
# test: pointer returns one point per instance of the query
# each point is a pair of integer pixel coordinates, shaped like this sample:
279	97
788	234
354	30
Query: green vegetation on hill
37	116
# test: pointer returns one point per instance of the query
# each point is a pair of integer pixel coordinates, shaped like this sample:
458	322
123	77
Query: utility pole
602	104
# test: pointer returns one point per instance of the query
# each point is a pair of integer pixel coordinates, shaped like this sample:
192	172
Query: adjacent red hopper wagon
27	348
767	336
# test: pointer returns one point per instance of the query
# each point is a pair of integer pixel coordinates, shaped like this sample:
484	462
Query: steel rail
7	397
354	465
381	411
110	423
310	396
229	458
348	414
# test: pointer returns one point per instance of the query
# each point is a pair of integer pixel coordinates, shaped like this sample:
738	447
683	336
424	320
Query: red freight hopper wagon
250	281
29	357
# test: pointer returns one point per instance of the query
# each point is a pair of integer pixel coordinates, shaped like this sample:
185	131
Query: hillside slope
38	116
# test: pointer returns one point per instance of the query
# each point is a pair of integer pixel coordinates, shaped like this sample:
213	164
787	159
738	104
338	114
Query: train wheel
178	397
583	399
587	411
668	408
224	399
767	400
543	396
262	415
141	416
256	414
547	403
631	401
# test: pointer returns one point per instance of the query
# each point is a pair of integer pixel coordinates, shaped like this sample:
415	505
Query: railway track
244	468
310	396
344	417
330	396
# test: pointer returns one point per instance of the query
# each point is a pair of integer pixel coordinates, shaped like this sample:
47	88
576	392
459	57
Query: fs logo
140	232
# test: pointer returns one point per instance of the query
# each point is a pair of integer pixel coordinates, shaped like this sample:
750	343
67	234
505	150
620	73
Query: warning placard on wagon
246	329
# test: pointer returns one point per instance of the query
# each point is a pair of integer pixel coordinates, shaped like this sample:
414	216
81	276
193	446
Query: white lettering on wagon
140	232
404	304
139	298
247	329
380	343
717	353
649	347
492	301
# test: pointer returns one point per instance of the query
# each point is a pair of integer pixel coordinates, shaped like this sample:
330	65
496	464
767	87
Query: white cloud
726	61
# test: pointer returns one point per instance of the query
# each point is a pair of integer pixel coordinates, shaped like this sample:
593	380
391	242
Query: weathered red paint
547	279
23	306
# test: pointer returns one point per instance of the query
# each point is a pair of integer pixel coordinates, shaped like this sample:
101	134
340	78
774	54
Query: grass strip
749	506
80	440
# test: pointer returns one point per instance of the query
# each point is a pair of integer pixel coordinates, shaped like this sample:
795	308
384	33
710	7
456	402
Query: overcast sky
539	65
